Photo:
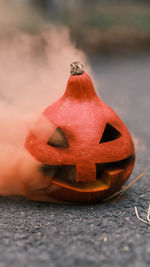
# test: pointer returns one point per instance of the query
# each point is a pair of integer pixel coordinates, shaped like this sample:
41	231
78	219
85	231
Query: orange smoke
34	69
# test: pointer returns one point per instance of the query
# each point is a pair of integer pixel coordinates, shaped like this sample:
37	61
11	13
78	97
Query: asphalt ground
106	234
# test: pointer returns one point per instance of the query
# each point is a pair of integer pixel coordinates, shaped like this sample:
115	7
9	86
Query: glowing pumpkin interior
90	154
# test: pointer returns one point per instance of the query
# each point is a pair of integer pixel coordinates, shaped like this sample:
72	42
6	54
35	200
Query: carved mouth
65	175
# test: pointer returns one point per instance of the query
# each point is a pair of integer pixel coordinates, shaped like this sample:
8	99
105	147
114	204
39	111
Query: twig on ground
140	219
122	191
148	214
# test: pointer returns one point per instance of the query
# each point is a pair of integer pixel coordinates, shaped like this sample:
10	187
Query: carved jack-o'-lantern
90	154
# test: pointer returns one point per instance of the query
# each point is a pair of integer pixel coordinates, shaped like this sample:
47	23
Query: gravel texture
107	234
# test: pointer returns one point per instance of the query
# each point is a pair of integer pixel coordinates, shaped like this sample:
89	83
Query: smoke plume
34	68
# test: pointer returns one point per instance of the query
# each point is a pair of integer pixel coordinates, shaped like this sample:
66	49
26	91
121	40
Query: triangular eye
58	139
109	134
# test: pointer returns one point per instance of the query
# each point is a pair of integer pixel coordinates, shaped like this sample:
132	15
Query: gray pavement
107	234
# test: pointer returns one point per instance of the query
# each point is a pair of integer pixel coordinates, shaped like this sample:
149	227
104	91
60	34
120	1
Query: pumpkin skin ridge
80	92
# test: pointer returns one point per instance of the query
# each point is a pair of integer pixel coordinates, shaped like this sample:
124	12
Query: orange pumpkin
90	154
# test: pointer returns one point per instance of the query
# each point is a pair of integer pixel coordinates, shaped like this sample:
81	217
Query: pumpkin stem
76	68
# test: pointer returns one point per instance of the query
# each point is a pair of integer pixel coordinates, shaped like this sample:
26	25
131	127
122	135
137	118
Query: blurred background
102	26
97	26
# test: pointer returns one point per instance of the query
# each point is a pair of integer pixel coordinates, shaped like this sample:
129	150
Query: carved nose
86	172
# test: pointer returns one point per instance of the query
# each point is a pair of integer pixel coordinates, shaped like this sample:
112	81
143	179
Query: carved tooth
111	176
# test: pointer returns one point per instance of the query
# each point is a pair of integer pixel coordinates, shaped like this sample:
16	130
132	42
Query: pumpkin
90	154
